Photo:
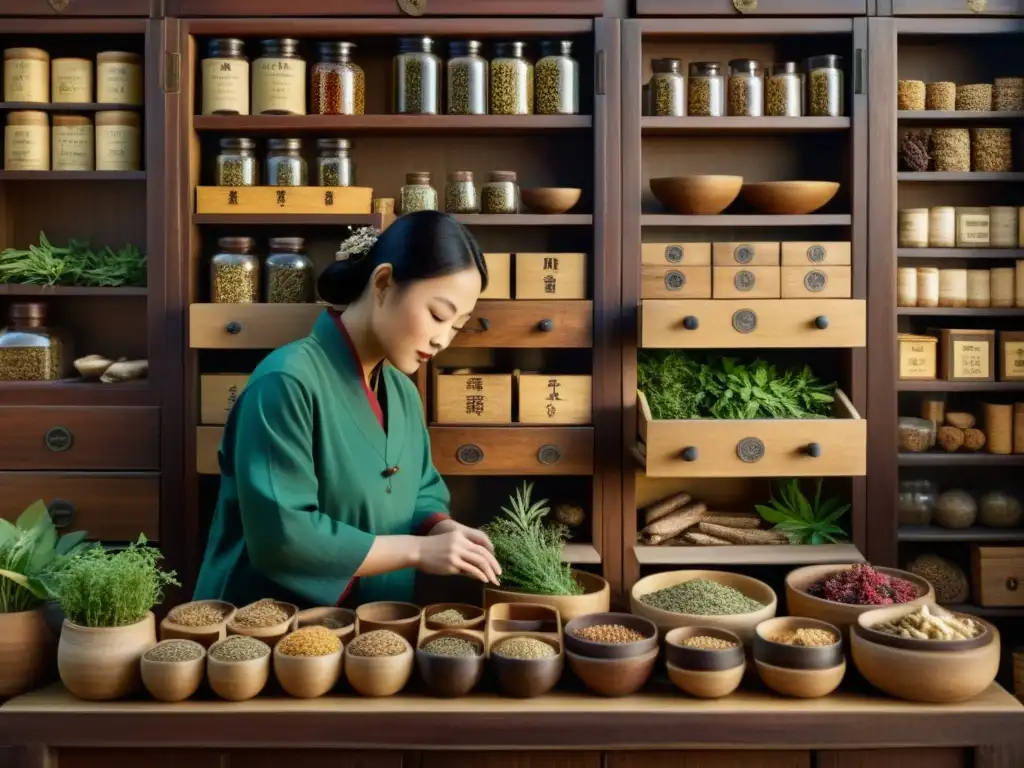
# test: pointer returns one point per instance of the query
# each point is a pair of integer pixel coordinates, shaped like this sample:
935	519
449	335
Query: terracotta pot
27	650
596	597
103	663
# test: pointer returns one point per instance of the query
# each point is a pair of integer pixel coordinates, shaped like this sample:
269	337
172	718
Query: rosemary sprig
74	264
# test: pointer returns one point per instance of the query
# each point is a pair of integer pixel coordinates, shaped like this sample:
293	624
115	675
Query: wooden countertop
661	718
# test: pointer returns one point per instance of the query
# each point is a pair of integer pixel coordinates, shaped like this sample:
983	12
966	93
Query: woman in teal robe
326	475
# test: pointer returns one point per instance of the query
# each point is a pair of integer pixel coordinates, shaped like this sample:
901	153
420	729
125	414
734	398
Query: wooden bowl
401	618
237	680
614	676
314	617
475	616
795	656
703	659
935	677
307	677
867	621
378	676
205	636
270	635
789	198
801	683
741	624
696	195
527	678
595	650
451	676
596	597
172	681
707	684
550	200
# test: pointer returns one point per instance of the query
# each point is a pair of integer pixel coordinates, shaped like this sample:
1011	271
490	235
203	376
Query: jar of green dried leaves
667	88
235	272
511	80
417	77
333	163
417	193
236	163
29	350
289	272
285	165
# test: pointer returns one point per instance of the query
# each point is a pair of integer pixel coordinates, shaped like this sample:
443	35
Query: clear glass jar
746	88
784	91
417	76
557	79
511	80
279	79
460	194
467	78
333	164
916	501
500	194
706	91
285	165
29	350
235	272
417	194
225	78
236	163
289	272
338	84
824	86
667	88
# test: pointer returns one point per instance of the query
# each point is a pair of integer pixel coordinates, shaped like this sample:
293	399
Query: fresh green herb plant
530	552
113	589
76	264
803	520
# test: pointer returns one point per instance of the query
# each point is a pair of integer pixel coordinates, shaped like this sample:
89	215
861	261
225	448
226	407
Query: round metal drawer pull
691	323
821	322
690	453
549	454
750	450
546	325
673	254
62	513
58	439
743	254
813	450
816	254
744	280
744	320
469	454
234	327
674	280
815	281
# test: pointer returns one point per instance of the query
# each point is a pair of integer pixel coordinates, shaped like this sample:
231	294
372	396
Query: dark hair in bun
418	246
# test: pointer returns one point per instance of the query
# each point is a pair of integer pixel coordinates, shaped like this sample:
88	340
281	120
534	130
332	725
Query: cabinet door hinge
859	84
172	72
599	73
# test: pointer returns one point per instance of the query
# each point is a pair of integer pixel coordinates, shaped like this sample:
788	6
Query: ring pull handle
234	327
821	322
690	453
813	450
691	323
485	325
62	513
546	325
58	439
469	454
549	454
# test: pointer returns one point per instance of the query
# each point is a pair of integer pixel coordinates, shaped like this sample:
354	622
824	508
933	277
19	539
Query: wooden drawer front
110	507
499	276
543	324
762	7
675	254
75	8
745	254
551	276
468	398
816	283
955	8
207	446
554	399
998	576
250	326
513	450
816	254
675	282
755	323
746	282
69	438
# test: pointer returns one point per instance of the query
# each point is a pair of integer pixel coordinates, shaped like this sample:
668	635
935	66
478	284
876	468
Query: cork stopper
119	117
28	117
502	176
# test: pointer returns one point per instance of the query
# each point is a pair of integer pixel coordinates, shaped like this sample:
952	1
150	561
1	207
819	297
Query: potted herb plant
31	554
107	598
529	551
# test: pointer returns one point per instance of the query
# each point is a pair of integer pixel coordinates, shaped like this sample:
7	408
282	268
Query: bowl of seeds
340	621
401	618
378	662
550	200
451	661
238	667
610	635
307	662
453	616
799	657
527	665
204	621
172	670
706	662
267	620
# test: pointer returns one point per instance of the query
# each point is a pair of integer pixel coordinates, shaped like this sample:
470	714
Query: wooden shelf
526	220
675	126
960	253
70	107
72	175
391	124
951	176
937	459
77	392
974	533
749	555
962	311
928	116
312	219
69	290
752	220
959	386
581	554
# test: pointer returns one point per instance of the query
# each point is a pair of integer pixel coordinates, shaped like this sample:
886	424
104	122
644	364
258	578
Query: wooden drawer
75	8
816	283
675	282
513	450
111	507
554	399
756	447
746	283
499	276
473	398
998	576
745	254
207	446
761	8
675	254
551	276
72	437
812	254
250	326
752	324
538	324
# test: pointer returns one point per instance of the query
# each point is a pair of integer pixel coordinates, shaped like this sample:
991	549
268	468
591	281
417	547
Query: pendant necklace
389	471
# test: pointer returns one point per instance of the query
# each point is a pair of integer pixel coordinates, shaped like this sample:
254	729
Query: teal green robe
302	492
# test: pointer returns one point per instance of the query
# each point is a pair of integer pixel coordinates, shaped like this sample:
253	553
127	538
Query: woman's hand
452	548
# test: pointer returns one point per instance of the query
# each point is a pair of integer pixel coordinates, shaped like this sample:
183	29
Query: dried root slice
661	508
703	540
92	366
675	522
733	519
961	420
128	370
739	536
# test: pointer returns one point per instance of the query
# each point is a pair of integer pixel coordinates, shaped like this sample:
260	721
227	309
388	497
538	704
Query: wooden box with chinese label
551	275
675	271
218	393
816	254
745	254
473	398
499	276
966	355
554	399
918	357
746	283
1011	355
998	576
325	200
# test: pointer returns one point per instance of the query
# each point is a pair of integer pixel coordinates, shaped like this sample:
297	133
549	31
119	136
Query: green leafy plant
31	555
528	551
76	264
803	520
113	589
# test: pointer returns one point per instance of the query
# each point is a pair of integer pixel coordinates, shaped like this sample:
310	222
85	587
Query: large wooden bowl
866	623
789	198
550	200
596	597
696	195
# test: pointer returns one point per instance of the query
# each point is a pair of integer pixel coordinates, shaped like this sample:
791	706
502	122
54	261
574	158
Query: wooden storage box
473	398
529	325
998	575
919	357
756	447
675	254
249	326
682	282
816	254
325	200
554	399
518	450
746	282
551	275
745	254
816	283
218	393
1011	355
966	355
499	276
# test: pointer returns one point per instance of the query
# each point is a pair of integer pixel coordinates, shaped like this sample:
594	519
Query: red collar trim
372	398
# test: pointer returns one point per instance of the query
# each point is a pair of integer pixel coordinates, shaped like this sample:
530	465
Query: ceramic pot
27	651
103	663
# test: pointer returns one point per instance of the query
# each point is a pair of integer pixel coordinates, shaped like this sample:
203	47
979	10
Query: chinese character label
551	263
475	404
329	197
281	194
232	397
475	384
233	197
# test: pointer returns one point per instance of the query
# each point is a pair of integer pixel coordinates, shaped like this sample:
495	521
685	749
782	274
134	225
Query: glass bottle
557	79
746	89
225	78
667	92
784	91
235	272
511	80
289	272
333	164
460	194
706	92
500	194
279	79
417	76
417	194
236	163
285	165
29	350
824	86
467	78
339	85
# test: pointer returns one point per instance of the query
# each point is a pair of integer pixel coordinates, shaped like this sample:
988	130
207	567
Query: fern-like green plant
803	520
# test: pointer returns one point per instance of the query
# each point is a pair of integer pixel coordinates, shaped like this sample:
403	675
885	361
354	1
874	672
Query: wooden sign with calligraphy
242	200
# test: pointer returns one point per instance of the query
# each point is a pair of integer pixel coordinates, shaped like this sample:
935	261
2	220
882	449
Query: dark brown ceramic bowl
595	650
703	659
796	656
401	618
527	678
614	677
866	622
450	676
475	616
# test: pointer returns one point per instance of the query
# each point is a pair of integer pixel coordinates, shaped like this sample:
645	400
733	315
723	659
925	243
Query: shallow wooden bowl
205	636
795	656
475	616
527	678
801	683
270	635
308	677
703	659
595	650
866	622
450	676
706	195
615	676
741	624
172	681
550	200
789	198
707	684
237	680
378	675
401	618
312	617
596	597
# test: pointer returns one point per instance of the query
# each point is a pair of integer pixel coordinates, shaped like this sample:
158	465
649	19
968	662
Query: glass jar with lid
417	77
286	167
511	80
339	85
417	194
225	78
289	272
746	88
279	79
236	163
467	78
557	79
333	164
235	272
784	90
667	88
824	86
706	91
500	194
29	349
460	194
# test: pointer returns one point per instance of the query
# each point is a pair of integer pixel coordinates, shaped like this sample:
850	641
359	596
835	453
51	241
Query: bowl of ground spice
340	621
706	662
526	665
453	615
267	620
610	635
172	670
798	642
204	621
238	667
378	662
402	618
307	662
451	662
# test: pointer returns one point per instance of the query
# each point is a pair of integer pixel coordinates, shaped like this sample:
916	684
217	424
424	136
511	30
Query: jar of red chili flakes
339	84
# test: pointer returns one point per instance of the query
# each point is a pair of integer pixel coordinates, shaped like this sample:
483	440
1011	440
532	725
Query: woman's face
416	321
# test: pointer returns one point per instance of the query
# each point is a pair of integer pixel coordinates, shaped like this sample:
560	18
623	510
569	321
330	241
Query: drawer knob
813	450
821	322
549	454
1011	584
690	453
469	454
691	323
744	280
58	439
485	325
750	450
744	320
674	280
62	513
546	325
234	327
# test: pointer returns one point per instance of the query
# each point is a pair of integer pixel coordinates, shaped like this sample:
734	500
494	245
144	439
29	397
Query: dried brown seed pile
310	641
265	613
175	650
380	642
198	614
239	648
609	633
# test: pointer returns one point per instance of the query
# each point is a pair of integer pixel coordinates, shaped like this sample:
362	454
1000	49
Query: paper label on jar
279	86
117	148
973	229
225	86
26	80
119	83
1013	359
73	148
27	148
72	81
916	361
970	359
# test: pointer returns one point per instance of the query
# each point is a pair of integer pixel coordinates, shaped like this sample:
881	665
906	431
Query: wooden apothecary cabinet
998	576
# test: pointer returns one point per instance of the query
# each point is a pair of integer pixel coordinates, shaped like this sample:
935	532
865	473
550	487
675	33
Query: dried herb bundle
76	264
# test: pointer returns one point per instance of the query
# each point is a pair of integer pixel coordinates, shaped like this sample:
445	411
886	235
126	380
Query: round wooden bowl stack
789	198
550	200
804	672
706	673
612	669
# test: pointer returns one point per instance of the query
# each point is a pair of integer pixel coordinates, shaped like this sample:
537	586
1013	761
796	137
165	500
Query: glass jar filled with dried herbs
286	167
29	350
279	79
417	194
235	272
467	78
706	90
339	85
746	88
225	78
667	88
333	164
236	163
460	194
557	79
824	86
289	272
501	193
784	90
511	80
417	77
